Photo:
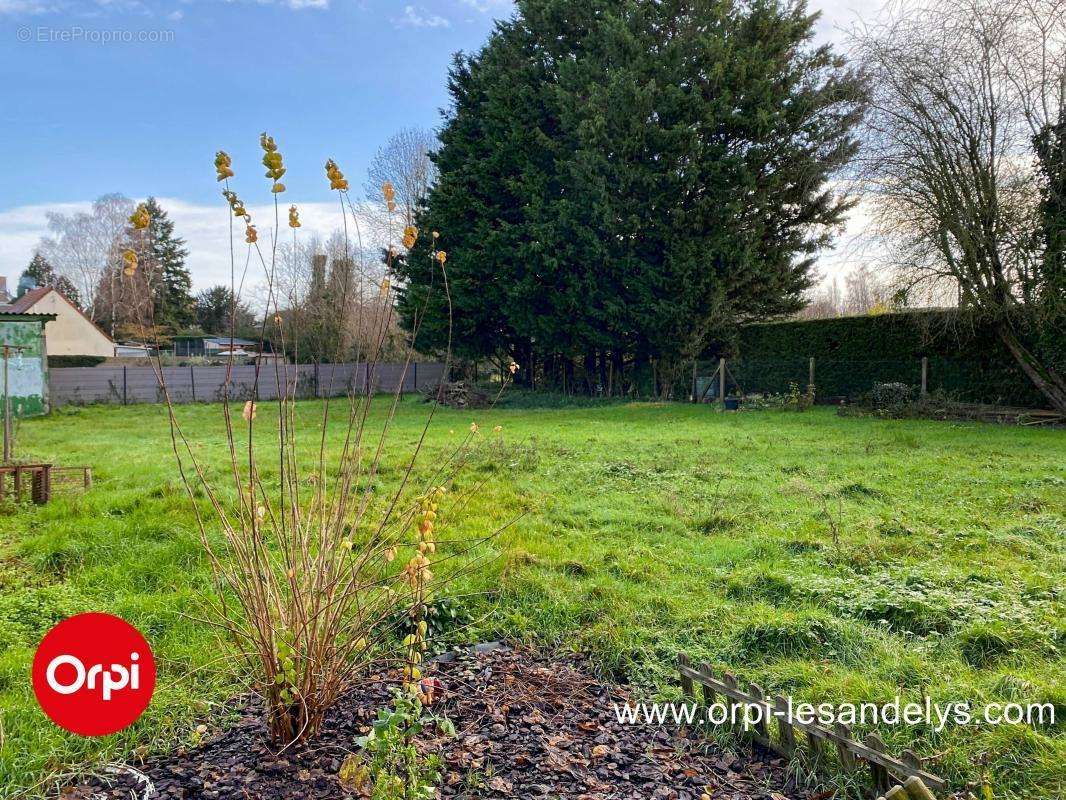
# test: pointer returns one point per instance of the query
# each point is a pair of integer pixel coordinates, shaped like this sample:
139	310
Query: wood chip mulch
528	725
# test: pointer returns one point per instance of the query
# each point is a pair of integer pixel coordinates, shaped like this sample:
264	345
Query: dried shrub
315	562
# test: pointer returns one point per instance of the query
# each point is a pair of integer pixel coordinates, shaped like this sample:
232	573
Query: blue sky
82	116
325	78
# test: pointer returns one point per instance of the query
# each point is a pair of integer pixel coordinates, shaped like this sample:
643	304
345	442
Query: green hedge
851	354
75	361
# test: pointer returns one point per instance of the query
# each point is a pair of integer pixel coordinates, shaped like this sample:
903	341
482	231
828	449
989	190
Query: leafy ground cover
833	559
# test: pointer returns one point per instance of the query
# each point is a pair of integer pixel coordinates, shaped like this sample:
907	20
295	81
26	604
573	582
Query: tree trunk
1047	380
618	373
590	372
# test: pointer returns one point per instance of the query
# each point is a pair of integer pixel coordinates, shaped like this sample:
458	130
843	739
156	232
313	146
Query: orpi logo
93	674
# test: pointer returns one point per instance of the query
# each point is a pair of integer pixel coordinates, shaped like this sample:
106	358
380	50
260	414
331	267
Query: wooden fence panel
84	385
209	384
884	768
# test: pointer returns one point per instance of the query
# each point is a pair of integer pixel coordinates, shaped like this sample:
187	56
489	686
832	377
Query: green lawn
644	530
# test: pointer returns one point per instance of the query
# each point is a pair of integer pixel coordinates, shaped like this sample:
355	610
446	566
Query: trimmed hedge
966	360
75	361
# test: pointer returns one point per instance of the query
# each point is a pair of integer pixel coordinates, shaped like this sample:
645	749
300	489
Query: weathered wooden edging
893	778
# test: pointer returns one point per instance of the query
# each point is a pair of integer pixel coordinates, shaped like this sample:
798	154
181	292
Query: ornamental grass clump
314	562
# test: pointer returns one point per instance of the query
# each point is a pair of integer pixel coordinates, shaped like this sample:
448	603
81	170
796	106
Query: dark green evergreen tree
618	178
1049	287
42	271
214	309
172	290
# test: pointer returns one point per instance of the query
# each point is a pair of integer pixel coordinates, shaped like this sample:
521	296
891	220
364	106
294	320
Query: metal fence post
925	375
192	380
124	400
721	380
415	366
810	378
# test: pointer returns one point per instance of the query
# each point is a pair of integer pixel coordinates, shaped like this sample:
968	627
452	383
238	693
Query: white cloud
26	7
485	6
297	5
20	230
838	16
420	18
205	229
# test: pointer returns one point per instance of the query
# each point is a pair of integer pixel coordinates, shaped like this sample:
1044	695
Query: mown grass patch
634	531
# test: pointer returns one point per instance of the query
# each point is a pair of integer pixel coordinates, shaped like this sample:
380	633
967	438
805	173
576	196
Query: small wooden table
39	477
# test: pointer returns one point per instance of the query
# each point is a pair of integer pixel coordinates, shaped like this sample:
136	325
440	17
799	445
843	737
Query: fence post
192	381
316	379
415	365
847	758
694	400
124	401
721	381
810	379
708	690
785	732
925	375
882	781
687	686
761	729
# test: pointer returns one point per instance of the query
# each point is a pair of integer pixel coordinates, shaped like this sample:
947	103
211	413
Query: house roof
21	305
216	339
225	340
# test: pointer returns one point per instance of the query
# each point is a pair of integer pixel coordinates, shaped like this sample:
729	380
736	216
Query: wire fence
848	380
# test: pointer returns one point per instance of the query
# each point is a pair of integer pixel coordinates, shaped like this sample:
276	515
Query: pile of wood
458	394
983	412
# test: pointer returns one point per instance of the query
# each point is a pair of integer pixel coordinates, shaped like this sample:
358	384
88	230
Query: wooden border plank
910	766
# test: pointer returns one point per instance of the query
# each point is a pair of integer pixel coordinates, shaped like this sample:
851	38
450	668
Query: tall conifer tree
42	271
173	303
618	178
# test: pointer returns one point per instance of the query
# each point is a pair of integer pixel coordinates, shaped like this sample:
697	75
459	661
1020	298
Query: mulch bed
528	725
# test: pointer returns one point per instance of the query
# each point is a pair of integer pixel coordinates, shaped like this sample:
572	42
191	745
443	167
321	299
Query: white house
71	333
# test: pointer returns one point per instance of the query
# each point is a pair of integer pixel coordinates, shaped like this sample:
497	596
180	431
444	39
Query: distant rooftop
220	340
23	304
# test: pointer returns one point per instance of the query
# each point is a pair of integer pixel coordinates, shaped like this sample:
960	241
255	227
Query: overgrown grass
834	559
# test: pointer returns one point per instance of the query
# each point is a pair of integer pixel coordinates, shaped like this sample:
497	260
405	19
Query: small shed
24	363
216	346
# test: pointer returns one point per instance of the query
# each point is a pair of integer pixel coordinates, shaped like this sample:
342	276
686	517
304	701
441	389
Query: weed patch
767	586
792	636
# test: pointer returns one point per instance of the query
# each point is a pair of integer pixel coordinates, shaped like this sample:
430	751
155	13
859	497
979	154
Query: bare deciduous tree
958	90
330	297
865	291
824	303
405	163
84	247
